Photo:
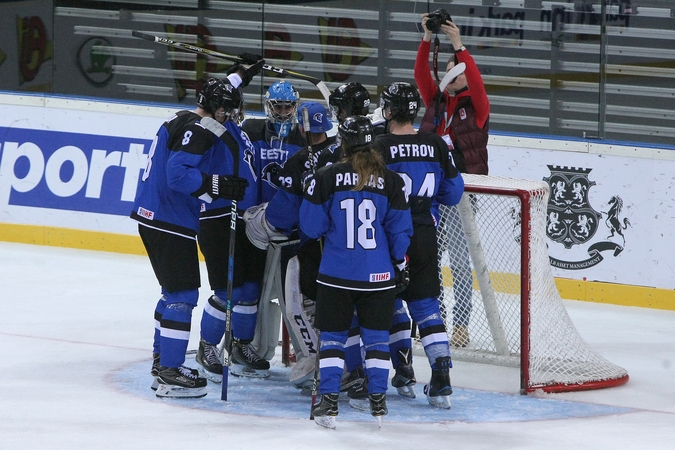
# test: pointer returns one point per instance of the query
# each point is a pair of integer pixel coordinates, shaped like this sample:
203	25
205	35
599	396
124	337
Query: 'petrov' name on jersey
411	151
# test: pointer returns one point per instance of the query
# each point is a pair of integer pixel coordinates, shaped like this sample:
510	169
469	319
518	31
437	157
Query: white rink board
74	163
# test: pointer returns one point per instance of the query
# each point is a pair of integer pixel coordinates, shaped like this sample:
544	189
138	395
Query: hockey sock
213	322
332	360
399	334
244	310
175	327
376	343
159	310
426	314
353	356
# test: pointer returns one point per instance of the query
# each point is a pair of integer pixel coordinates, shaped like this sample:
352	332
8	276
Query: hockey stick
219	130
320	85
228	308
312	166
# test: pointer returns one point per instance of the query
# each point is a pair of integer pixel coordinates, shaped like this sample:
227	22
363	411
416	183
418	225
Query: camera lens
433	24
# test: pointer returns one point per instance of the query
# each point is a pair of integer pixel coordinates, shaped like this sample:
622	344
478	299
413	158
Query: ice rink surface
76	332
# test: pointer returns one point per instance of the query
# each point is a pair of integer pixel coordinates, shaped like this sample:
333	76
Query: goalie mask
281	107
356	133
350	99
402	100
217	93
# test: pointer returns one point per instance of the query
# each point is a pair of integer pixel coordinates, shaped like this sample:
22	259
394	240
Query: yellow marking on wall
589	291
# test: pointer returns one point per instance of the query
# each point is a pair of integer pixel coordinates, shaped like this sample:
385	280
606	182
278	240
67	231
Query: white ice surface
71	319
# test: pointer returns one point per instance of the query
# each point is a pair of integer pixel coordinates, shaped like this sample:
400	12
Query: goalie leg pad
302	333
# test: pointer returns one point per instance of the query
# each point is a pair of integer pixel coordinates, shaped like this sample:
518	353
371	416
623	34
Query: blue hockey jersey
182	151
424	162
283	211
236	153
364	230
272	152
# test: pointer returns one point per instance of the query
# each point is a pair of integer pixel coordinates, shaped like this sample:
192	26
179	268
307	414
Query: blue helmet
281	106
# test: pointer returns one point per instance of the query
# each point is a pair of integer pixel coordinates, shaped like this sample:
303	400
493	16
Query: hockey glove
247	73
251	71
258	230
402	275
221	186
249	58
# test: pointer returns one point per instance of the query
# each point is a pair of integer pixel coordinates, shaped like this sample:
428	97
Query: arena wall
69	169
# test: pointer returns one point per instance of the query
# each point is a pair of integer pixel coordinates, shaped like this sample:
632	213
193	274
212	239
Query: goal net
498	292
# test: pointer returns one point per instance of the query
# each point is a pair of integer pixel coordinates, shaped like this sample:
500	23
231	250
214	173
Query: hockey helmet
217	93
281	106
352	99
356	134
402	100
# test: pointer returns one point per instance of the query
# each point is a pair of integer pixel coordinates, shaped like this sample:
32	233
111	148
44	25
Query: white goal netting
497	285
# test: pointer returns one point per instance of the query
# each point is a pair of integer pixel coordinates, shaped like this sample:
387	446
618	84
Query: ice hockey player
425	163
360	208
180	175
249	265
275	137
280	216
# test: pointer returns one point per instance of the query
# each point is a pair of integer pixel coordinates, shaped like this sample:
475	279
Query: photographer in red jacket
460	114
458	110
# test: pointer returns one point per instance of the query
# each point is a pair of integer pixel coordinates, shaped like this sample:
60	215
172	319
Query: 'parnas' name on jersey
352	179
412	151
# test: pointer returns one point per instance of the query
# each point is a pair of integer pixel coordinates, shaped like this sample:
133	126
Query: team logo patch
379	277
462	113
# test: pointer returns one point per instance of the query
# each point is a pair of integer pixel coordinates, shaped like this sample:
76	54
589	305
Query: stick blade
147	37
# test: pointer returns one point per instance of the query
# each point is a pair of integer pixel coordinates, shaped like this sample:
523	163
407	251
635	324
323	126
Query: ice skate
438	390
209	361
404	379
378	407
180	382
326	410
460	336
358	396
246	362
351	379
155	371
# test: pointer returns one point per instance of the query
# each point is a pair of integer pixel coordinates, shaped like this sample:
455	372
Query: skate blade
326	421
216	378
406	391
442	401
379	421
243	371
167	390
154	384
360	404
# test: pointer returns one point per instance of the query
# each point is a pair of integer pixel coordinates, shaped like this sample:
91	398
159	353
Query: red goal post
497	284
